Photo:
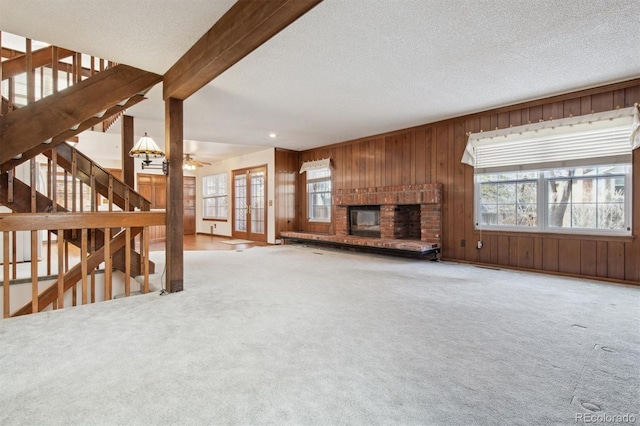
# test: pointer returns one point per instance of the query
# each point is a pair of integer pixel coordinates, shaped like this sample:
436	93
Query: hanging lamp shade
146	148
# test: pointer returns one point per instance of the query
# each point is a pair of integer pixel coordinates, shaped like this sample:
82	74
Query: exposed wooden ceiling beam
246	26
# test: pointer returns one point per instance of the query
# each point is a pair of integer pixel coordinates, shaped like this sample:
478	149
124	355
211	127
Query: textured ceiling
351	68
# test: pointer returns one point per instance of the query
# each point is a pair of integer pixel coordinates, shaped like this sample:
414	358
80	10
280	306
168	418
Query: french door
250	203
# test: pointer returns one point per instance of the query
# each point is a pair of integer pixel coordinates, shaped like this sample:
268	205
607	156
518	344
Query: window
319	194
214	196
567	175
582	199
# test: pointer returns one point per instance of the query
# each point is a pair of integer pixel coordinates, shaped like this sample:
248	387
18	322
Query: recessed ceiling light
272	135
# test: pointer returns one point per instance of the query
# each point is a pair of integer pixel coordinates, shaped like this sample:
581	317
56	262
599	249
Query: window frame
214	195
543	203
313	180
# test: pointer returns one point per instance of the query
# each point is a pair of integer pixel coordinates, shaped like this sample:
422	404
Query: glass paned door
258	182
250	204
240	202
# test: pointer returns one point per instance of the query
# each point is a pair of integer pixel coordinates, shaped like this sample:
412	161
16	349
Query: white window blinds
600	138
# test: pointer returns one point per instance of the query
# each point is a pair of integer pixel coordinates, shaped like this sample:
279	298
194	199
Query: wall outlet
479	244
463	243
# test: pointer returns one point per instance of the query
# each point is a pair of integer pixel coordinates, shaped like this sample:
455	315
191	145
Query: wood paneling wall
287	170
431	153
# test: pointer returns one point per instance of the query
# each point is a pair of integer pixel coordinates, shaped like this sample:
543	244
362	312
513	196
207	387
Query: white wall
266	156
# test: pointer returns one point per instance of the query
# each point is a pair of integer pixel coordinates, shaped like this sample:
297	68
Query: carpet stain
578	326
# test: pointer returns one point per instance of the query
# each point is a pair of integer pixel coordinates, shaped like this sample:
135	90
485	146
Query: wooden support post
5	283
83	260
174	218
128	163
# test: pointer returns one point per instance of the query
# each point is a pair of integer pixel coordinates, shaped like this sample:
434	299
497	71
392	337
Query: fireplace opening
406	224
364	221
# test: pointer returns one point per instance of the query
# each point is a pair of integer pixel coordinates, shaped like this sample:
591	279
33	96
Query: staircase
97	97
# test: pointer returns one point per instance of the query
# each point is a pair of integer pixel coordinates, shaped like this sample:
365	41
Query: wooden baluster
34	242
74	293
93	271
93	67
54	68
1	94
10	175
107	264
79	68
6	267
74	171
11	90
92	181
31	81
101	64
144	252
14	254
65	190
127	253
41	82
14	265
49	233
83	260
110	193
61	247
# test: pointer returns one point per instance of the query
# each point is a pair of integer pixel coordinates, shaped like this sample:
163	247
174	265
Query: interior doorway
154	188
250	203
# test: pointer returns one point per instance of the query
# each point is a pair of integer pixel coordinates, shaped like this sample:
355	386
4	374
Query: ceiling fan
190	164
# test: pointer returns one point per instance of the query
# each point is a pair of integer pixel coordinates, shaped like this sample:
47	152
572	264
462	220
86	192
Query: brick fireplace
410	219
407	212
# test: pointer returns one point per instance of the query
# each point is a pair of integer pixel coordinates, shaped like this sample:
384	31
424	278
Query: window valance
600	138
317	164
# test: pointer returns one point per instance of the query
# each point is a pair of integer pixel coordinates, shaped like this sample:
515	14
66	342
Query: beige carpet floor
295	335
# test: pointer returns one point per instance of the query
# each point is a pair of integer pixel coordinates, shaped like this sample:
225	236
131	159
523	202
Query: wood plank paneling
503	250
616	260
537	253
432	152
569	256
524	252
550	254
588	257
